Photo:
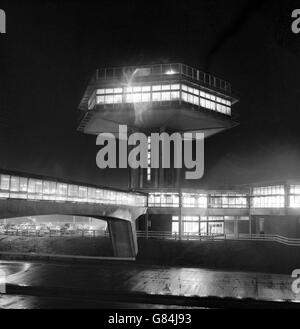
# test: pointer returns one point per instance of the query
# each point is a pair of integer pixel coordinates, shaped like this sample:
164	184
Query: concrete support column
123	238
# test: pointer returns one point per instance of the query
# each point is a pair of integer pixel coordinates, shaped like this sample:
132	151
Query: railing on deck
117	73
219	237
55	233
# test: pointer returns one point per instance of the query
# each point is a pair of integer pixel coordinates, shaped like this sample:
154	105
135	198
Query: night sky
52	47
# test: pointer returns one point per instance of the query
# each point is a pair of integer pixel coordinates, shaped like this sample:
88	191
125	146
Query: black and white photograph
149	158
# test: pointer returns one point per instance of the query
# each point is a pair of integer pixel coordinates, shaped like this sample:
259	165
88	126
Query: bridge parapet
32	187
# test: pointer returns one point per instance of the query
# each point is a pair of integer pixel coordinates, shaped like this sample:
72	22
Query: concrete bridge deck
31	195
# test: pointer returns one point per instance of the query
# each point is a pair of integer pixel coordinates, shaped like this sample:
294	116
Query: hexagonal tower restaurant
156	98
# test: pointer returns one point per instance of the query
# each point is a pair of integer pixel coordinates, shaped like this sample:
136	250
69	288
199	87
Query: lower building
258	209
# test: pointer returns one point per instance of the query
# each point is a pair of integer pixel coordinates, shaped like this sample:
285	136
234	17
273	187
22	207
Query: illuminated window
184	96
156	97
163	200
175	224
174	95
62	190
23	184
146	97
36	189
49	190
4	183
206	100
196	91
268	190
109	99
117	99
190	224
4	186
165	96
184	87
82	193
294	197
137	88
228	200
158	93
192	200
14	184
215	228
100	99
268	197
136	97
146	88
196	100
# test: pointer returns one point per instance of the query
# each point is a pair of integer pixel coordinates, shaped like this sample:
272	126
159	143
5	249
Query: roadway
131	285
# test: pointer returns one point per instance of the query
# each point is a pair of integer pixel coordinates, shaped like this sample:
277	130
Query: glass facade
206	100
161	93
204	225
273	196
228	200
163	200
193	200
198	200
294	196
268	197
12	186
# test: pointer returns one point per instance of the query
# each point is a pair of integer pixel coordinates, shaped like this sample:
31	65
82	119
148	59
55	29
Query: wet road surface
130	278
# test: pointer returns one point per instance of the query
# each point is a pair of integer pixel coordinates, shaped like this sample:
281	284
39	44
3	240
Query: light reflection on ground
131	277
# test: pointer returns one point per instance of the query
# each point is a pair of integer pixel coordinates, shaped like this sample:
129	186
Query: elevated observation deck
174	96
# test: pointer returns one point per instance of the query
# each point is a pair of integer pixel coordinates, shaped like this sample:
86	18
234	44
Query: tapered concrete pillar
123	238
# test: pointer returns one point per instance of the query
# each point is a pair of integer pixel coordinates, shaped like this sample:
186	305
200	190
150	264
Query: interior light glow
170	72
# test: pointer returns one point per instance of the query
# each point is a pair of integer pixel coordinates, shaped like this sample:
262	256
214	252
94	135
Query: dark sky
52	47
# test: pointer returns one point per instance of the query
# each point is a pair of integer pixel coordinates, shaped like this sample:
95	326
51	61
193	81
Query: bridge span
24	194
